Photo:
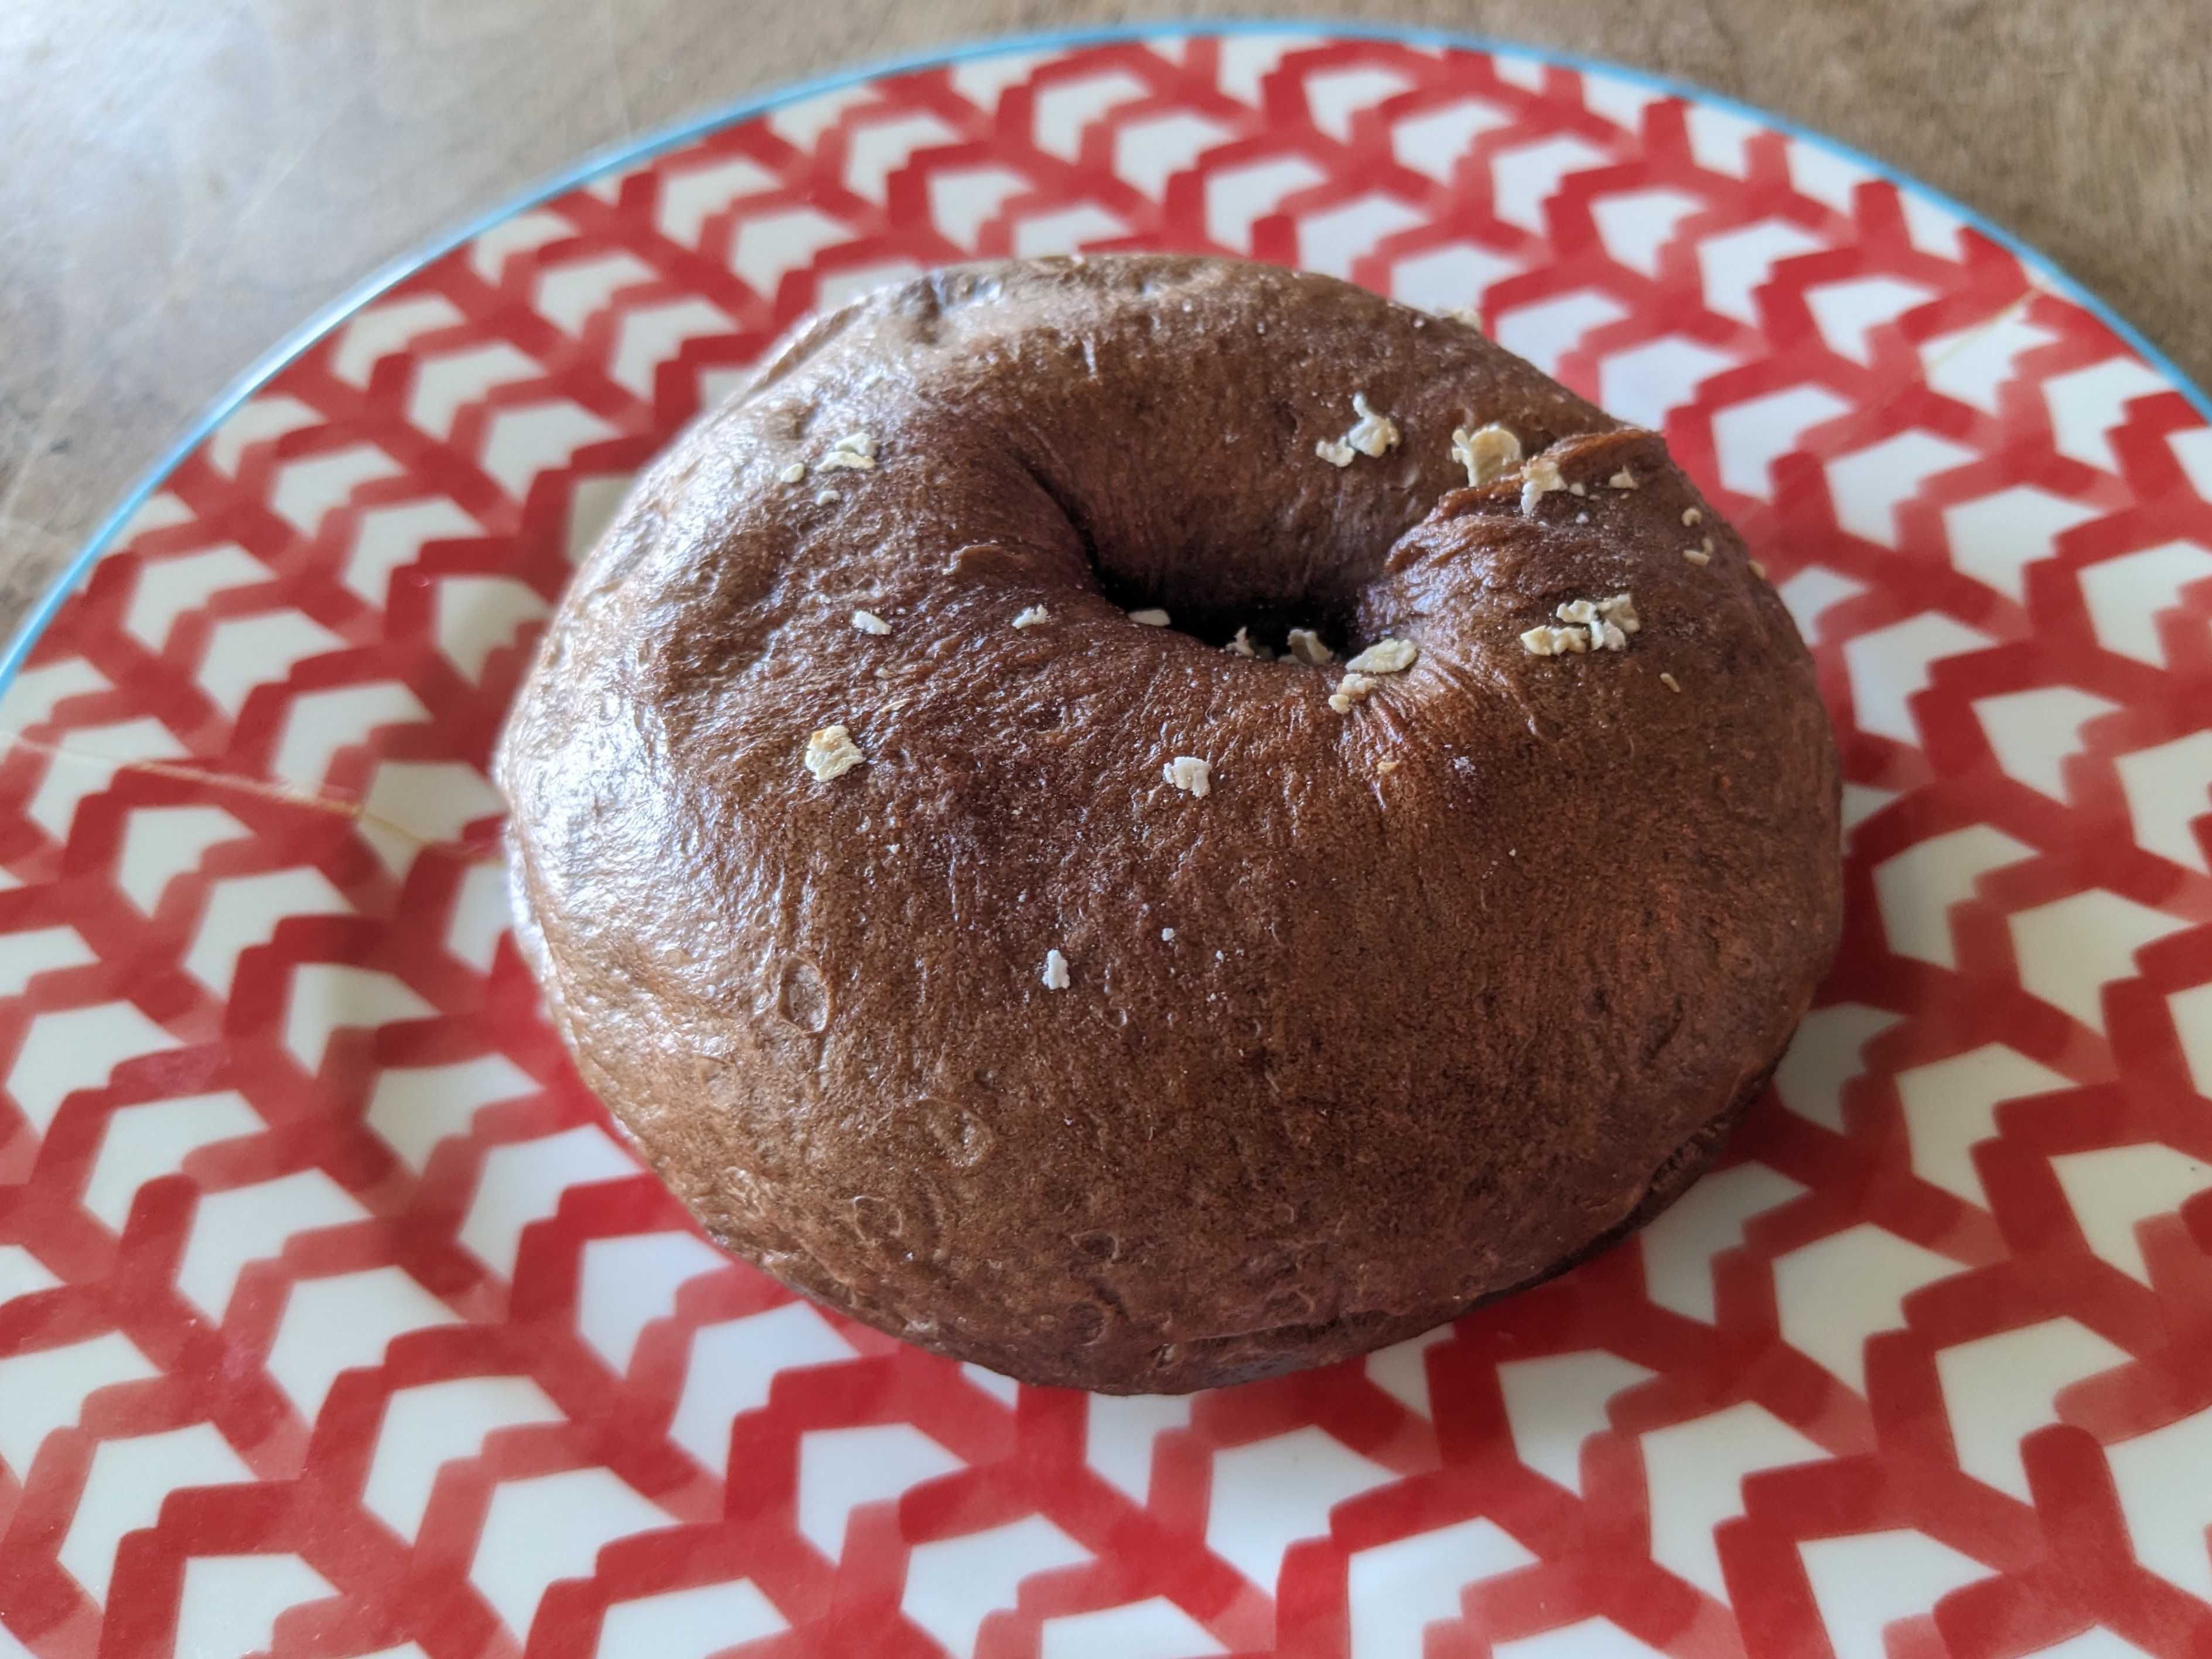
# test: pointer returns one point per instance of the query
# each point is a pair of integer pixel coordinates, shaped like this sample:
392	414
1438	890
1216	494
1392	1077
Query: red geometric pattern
332	1321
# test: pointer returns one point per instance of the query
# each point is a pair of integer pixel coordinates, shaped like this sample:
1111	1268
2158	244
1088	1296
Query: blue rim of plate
634	151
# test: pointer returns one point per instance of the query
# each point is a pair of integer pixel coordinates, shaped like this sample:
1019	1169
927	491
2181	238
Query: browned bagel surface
1425	995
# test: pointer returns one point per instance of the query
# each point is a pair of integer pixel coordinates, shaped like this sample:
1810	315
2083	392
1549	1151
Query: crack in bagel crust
1312	1063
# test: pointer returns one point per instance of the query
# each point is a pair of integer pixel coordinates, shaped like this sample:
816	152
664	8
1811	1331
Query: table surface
185	185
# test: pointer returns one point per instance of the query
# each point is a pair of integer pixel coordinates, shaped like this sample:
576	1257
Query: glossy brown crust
1459	982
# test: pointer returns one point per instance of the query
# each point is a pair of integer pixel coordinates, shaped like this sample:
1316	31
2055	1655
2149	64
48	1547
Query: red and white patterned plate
333	1322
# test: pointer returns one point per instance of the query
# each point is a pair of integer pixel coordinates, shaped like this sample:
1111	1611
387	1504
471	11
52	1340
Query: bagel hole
1267	624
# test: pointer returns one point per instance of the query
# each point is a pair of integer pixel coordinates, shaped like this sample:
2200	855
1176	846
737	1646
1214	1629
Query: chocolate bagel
1146	1004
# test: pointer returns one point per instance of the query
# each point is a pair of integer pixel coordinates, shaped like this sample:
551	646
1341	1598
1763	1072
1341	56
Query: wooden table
183	185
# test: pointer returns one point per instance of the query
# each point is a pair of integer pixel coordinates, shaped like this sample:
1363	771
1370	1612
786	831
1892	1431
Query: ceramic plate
333	1322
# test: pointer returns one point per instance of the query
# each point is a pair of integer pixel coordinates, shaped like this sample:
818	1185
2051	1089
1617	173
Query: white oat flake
1545	640
1242	645
1305	645
1590	625
1539	478
1055	971
1488	452
1030	618
1153	618
1373	435
1623	479
856	450
869	622
832	753
1351	689
1385	657
824	497
1190	774
793	473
